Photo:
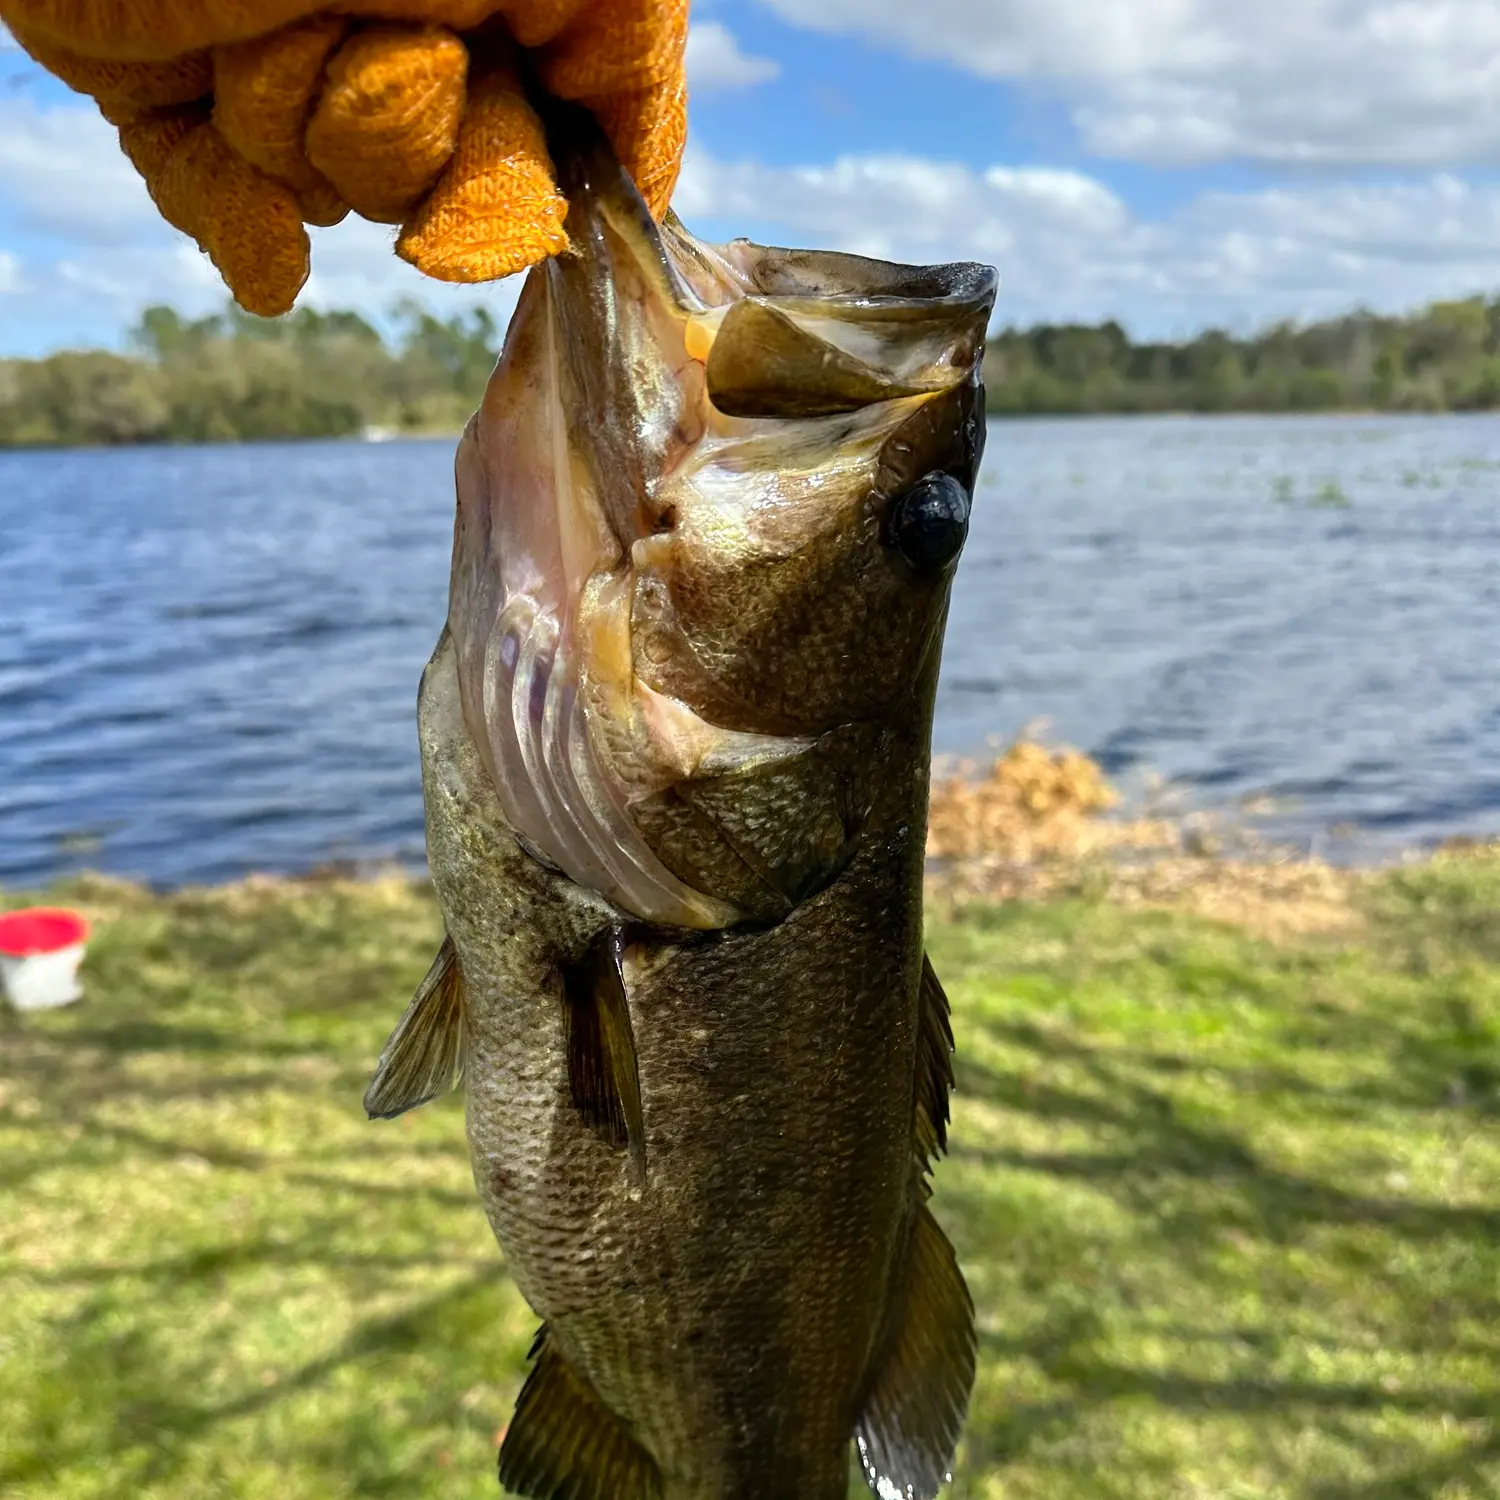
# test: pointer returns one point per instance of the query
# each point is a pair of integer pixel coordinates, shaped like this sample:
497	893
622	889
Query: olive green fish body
675	745
730	1307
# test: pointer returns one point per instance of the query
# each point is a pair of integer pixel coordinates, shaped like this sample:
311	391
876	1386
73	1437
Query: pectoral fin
425	1054
565	1444
909	1429
602	1069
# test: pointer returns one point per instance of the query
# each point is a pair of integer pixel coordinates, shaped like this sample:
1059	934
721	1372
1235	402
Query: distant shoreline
231	376
453	434
1114	852
420	435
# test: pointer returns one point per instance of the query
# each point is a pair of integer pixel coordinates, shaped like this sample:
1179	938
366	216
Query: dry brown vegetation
1042	822
1032	804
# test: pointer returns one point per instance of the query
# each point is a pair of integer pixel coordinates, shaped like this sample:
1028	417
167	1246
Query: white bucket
40	950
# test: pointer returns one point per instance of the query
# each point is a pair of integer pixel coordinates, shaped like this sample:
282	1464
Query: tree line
1445	357
231	376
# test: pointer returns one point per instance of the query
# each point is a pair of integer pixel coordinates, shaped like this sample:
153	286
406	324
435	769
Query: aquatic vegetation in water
1331	495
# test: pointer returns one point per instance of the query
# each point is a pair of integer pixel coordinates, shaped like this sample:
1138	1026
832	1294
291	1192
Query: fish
675	743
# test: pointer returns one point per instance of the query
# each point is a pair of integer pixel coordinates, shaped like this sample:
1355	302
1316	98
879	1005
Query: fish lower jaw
555	788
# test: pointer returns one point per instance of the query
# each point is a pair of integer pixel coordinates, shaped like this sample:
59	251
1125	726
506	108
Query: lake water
209	656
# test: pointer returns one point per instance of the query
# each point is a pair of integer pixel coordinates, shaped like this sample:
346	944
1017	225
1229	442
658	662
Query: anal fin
909	1430
425	1054
563	1443
603	1073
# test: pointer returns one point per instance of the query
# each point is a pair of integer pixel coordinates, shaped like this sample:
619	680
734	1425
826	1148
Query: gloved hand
249	118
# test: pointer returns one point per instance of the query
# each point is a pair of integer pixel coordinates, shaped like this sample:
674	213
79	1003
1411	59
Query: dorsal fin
602	1069
425	1054
909	1428
934	1068
563	1443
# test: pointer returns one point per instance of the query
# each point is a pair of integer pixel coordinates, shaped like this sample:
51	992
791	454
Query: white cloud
62	170
1069	249
132	276
355	266
715	61
1404	82
898	206
83	240
64	179
92	293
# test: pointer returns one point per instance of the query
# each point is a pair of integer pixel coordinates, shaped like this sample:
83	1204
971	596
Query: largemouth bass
675	746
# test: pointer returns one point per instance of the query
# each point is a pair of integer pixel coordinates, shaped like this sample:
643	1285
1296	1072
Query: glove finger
615	45
264	92
122	89
246	222
496	208
154	31
534	22
389	117
456	15
648	129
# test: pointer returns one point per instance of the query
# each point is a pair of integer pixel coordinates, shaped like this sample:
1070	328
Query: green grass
1230	1210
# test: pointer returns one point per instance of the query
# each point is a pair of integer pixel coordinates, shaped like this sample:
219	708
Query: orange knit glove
251	118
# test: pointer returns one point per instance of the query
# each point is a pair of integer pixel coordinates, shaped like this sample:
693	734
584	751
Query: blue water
209	656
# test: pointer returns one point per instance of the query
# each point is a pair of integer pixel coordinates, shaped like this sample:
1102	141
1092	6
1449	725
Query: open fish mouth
676	469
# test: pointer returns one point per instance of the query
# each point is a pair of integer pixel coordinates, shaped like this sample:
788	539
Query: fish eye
928	524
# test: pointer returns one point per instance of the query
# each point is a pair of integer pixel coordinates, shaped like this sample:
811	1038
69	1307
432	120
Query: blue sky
1170	163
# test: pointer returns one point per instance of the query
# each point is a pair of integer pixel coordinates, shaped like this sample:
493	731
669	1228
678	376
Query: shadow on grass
214	1261
1251	1193
154	1424
1201	1211
1471	1464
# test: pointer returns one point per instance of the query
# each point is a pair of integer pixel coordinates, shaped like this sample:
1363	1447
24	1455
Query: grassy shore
1227	1193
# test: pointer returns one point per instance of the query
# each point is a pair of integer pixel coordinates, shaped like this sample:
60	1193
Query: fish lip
600	192
629	293
598	188
869	281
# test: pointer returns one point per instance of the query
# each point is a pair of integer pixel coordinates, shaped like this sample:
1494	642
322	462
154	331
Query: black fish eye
928	524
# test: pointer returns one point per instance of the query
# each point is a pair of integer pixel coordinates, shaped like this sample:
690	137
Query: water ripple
209	656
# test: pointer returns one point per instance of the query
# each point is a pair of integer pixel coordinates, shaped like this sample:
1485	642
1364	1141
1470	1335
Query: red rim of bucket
40	929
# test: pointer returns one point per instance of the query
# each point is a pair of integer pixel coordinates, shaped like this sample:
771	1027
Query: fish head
709	514
818	517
